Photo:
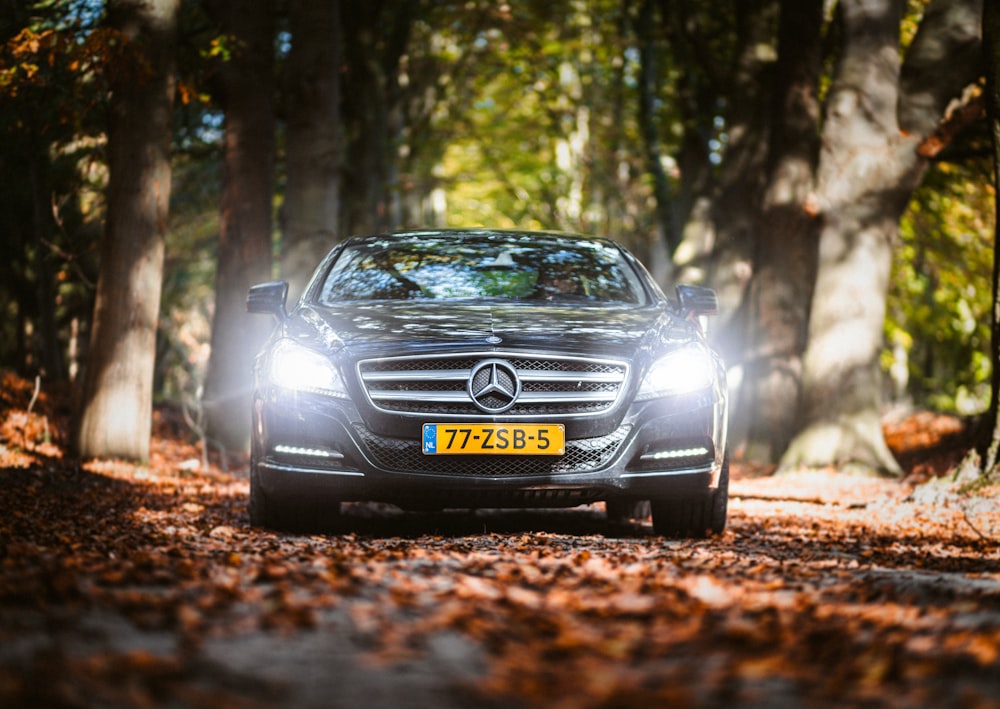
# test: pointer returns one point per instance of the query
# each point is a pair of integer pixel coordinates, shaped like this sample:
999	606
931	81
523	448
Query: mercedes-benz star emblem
493	386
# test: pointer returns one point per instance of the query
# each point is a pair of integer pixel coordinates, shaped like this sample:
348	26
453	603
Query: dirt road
139	587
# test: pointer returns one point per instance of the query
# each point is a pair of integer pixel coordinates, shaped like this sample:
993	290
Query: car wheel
258	503
696	517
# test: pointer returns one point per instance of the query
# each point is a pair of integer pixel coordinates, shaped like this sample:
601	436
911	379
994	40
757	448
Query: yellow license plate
494	439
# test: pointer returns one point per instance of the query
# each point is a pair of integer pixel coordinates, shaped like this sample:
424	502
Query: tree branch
962	113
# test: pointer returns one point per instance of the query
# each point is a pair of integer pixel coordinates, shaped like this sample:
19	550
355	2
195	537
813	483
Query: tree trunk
664	238
785	255
718	237
247	88
375	39
311	211
117	402
736	211
869	167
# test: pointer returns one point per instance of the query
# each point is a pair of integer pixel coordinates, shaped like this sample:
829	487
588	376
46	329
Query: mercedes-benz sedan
483	368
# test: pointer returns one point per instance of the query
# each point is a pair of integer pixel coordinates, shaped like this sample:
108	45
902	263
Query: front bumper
309	447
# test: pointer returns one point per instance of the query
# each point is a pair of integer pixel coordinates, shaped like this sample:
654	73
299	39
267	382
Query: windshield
475	266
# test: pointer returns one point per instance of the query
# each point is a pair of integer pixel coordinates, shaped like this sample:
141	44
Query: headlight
682	372
301	369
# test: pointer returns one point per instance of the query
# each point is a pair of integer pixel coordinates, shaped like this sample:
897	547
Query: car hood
386	329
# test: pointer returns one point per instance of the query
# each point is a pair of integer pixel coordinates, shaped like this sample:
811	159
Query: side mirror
698	301
268	298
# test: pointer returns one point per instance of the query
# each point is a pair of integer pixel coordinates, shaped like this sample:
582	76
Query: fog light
305	452
675	453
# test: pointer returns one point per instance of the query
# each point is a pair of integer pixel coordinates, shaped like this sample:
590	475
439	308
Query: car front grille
550	385
405	455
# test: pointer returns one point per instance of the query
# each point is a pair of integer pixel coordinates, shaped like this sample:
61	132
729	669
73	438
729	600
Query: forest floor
128	586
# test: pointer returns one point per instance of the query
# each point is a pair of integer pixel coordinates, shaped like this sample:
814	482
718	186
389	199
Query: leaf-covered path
139	587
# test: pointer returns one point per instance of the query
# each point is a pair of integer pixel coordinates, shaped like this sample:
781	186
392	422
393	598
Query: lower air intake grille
583	455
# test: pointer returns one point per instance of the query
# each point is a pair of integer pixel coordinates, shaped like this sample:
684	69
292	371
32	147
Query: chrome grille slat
437	385
440	397
566	397
556	376
408	376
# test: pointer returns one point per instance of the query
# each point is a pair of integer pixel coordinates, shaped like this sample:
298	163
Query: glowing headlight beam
301	369
682	372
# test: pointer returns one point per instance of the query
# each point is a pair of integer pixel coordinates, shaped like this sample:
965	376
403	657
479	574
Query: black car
488	369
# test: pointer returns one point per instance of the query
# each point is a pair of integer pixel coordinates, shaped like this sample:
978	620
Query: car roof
482	231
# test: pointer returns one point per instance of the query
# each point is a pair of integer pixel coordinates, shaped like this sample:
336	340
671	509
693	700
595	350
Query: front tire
694	517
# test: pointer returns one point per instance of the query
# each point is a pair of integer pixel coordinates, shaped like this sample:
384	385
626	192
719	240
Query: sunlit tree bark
116	413
247	97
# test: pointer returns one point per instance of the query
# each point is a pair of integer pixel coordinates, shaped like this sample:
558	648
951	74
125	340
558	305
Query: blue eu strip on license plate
430	440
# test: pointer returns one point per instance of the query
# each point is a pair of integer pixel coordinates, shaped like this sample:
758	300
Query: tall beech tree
246	91
376	35
311	212
882	122
116	414
784	256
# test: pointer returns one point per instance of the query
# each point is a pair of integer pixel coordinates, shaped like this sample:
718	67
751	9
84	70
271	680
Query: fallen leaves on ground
135	586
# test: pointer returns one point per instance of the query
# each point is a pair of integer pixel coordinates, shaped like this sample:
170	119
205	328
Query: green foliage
938	321
542	137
